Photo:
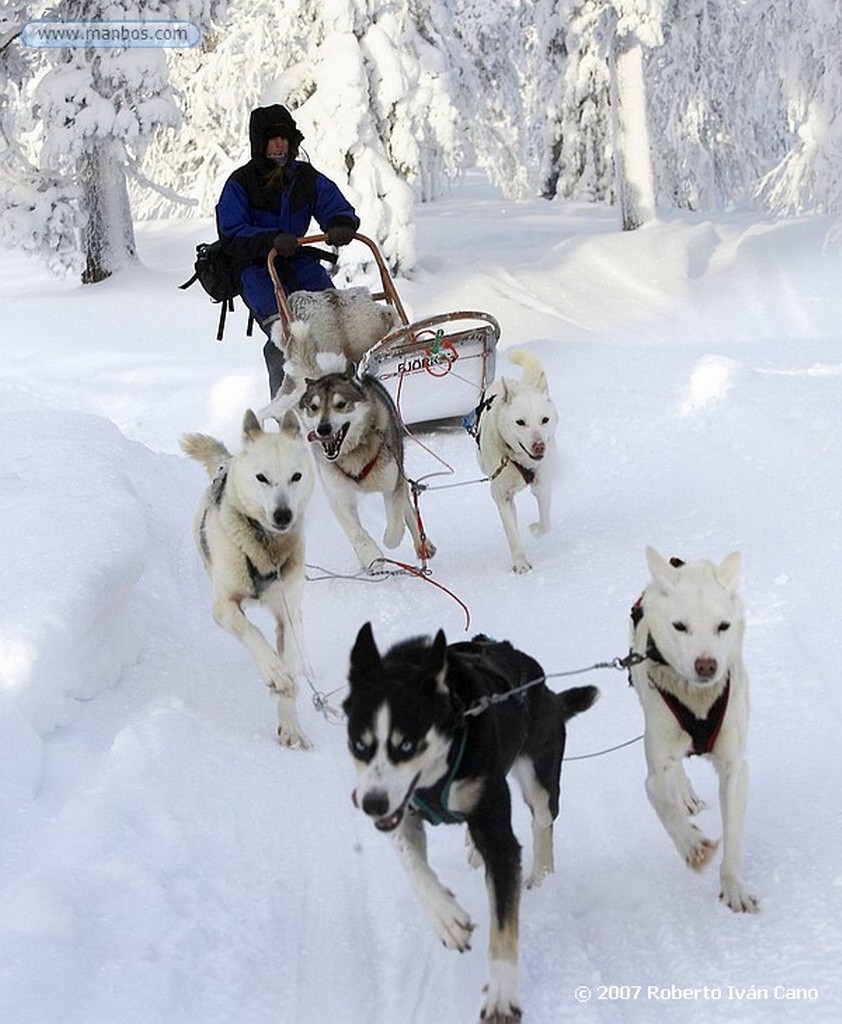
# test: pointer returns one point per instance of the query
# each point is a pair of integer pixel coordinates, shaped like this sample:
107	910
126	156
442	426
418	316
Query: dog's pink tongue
313	436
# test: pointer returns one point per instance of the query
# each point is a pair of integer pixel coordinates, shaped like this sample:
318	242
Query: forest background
655	105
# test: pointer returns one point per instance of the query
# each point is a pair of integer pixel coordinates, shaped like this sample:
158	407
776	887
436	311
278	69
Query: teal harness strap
433	808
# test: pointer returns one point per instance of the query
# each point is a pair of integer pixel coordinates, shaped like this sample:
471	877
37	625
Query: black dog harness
702	731
431	803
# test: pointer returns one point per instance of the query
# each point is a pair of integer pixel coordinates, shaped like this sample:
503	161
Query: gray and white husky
688	626
515	432
354	422
249	532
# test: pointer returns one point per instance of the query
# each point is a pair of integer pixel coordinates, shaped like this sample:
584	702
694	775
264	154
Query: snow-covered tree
494	37
93	111
809	177
632	24
715	100
38	212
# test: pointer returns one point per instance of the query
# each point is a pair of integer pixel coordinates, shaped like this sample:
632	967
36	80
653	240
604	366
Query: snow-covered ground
164	861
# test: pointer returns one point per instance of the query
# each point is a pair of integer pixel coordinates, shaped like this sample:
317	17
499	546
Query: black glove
285	244
340	234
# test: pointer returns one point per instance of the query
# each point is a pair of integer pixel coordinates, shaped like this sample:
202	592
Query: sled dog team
434	729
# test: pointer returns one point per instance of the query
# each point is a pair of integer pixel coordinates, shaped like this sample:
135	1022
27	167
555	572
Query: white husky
515	431
689	627
250	535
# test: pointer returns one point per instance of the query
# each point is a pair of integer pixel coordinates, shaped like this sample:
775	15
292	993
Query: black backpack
219	274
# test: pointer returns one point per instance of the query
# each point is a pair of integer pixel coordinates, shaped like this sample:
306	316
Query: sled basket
435	369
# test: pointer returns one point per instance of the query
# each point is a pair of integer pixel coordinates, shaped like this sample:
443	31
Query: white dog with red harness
688	629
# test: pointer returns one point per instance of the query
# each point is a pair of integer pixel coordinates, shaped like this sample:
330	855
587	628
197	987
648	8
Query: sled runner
435	369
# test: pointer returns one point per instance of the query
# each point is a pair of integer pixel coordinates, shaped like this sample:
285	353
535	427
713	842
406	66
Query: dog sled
435	369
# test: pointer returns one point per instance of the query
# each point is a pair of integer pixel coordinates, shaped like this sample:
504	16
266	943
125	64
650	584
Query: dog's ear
437	661
290	424
728	573
364	654
251	426
663	574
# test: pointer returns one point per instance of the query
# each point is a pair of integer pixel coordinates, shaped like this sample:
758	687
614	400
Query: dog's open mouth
389	822
330	443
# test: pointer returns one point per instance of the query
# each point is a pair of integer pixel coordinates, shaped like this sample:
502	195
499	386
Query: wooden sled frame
435	368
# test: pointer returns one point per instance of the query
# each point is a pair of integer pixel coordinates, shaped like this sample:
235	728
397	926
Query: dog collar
525	472
367	468
432	806
702	731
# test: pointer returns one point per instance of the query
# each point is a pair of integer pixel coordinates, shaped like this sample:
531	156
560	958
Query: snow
164	860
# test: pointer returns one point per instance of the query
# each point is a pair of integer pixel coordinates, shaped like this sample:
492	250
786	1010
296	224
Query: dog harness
526	472
703	732
261	582
367	468
432	805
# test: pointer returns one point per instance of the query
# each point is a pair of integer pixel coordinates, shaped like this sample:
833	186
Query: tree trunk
109	233
632	157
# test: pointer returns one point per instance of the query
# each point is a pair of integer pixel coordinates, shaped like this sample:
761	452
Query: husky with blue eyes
434	730
688	627
249	531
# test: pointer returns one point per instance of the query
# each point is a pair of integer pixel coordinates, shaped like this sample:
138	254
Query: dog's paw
733	895
369	554
426	549
539	529
279	681
292	737
535	878
691	804
289	731
701	853
521	565
393	535
452	924
501	1002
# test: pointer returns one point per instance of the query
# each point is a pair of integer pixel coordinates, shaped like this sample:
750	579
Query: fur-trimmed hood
262	119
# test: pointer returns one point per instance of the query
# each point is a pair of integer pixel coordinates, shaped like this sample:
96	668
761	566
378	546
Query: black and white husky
430	744
249	531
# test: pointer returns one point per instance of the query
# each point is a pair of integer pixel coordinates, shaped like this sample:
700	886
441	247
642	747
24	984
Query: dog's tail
533	372
211	453
576	700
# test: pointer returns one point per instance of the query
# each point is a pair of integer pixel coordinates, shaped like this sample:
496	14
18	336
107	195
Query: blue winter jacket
249	214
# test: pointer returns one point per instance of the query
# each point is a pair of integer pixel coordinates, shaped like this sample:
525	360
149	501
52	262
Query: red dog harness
367	468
